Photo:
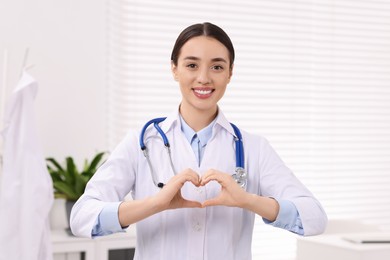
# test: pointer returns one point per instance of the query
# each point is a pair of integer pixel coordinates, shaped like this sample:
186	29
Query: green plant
68	182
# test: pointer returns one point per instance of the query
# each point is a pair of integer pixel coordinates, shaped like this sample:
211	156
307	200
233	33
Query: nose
204	76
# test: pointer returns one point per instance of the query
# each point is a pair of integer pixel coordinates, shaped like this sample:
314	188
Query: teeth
202	92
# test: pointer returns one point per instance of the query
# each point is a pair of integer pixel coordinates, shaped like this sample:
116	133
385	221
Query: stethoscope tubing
239	147
154	121
240	175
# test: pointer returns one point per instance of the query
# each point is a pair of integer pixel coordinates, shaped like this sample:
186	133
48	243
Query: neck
198	119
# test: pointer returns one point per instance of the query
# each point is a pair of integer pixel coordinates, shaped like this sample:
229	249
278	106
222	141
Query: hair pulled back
202	29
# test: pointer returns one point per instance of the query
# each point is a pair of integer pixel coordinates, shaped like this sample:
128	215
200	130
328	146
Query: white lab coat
212	233
27	188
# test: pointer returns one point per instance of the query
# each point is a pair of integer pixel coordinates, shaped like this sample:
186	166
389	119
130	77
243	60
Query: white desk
94	249
335	247
63	243
116	241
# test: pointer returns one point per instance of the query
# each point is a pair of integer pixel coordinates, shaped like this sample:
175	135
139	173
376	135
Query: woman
202	212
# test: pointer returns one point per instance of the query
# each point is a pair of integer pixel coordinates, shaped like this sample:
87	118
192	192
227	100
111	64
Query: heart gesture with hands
170	197
231	195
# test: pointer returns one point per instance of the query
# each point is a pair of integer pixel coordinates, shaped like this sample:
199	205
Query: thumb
211	202
191	204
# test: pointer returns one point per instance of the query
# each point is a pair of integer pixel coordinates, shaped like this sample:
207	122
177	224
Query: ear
231	72
174	71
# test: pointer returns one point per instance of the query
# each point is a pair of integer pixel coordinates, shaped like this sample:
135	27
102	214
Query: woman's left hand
231	193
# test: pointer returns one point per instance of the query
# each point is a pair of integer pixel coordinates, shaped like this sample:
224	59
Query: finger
185	176
190	177
210	172
213	175
195	179
204	181
208	176
191	204
211	202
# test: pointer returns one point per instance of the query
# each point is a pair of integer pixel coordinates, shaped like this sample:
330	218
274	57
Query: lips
203	92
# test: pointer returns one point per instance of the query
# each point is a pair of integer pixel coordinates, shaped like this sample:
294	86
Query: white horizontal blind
313	77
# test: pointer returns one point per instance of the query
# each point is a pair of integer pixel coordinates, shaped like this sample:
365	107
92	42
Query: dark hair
202	29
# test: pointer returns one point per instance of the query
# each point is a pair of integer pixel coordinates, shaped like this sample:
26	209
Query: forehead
205	48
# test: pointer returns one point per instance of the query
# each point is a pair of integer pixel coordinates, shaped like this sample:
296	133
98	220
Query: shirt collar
186	129
174	120
203	135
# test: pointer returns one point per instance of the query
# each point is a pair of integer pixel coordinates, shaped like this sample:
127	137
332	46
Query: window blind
311	76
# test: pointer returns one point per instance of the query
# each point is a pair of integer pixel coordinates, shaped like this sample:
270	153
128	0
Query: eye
191	66
217	67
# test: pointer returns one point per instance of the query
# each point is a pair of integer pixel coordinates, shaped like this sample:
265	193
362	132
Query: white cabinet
68	247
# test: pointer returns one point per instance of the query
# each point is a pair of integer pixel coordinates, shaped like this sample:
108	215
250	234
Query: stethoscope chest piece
240	177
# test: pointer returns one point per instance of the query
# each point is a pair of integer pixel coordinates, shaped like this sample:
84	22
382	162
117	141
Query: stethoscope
239	176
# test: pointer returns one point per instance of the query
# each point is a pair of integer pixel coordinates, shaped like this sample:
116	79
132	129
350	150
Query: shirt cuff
107	222
288	218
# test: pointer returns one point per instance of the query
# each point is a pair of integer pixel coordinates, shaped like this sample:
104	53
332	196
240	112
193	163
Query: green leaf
66	190
68	182
92	168
86	165
81	182
55	163
95	161
71	169
55	176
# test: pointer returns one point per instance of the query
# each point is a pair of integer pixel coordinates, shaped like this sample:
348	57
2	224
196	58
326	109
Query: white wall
67	45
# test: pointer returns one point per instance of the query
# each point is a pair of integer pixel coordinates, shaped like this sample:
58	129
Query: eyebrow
213	60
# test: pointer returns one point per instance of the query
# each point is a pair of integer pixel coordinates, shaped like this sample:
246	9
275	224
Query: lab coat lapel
185	157
170	122
223	122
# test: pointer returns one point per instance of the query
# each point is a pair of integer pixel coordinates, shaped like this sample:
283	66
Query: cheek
185	80
185	86
223	81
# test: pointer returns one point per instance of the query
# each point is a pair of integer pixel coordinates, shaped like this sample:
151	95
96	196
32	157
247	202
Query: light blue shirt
288	217
197	140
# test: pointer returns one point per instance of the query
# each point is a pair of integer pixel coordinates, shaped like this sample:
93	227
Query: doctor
201	212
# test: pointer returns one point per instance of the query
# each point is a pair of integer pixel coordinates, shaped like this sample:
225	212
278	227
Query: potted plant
68	182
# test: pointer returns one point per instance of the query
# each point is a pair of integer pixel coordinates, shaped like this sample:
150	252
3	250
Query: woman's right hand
170	196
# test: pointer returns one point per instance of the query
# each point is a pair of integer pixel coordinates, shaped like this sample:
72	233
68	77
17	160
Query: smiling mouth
203	93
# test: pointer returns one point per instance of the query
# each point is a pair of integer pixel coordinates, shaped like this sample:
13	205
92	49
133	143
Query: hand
231	194
170	195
